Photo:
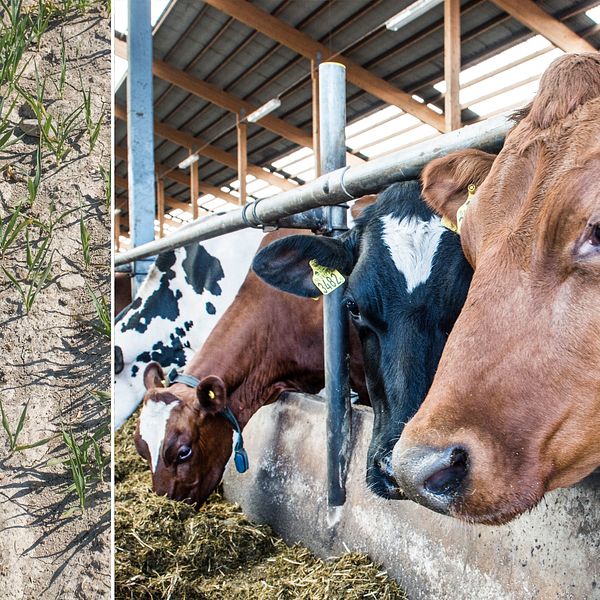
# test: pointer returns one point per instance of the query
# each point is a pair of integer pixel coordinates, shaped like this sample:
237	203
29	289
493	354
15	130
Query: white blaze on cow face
153	424
412	244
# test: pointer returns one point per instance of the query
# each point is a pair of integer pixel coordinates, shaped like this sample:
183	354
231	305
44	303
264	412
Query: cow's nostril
448	480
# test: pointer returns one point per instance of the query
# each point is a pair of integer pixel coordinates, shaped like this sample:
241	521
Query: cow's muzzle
433	477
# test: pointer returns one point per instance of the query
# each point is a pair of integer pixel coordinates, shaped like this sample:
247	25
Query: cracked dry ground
52	358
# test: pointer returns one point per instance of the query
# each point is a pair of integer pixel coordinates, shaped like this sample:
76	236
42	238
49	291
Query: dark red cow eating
514	409
266	343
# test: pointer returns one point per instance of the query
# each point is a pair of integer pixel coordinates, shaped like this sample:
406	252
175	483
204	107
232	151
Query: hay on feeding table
168	549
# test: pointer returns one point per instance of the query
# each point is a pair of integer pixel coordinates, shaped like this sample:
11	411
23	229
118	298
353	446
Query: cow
184	295
514	409
407	279
265	344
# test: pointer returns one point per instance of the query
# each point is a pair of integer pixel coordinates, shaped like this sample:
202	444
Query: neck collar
240	456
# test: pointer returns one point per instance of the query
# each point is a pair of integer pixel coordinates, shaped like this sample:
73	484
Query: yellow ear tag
448	224
461	212
211	394
325	280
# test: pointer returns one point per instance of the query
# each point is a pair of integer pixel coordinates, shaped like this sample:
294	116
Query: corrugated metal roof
196	38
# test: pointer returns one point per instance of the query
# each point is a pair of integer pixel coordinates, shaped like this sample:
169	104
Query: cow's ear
359	205
140	444
446	179
153	376
284	264
212	395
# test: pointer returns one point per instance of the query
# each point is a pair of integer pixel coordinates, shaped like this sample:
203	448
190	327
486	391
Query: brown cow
266	343
514	409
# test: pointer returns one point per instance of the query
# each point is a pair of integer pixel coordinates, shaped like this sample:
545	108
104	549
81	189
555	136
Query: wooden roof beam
123	204
226	101
179	177
299	42
538	20
221	98
199	146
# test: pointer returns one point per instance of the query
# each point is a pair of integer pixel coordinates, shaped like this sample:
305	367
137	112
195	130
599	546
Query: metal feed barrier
336	186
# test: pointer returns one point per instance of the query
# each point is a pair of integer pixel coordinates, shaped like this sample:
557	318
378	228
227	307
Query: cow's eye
595	235
588	246
184	453
352	308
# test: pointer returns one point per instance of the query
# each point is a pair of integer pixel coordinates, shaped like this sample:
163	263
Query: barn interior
216	62
410	80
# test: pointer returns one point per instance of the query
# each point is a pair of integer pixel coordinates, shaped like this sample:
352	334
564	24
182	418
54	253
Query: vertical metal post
140	132
332	110
242	156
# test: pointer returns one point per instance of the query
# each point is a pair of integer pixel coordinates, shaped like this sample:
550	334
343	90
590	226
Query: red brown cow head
184	436
267	342
514	409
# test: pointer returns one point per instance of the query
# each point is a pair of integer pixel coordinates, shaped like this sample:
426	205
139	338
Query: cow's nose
433	477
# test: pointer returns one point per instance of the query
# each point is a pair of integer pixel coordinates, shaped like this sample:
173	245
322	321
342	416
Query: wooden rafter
179	177
122	203
452	63
538	20
288	36
186	140
221	98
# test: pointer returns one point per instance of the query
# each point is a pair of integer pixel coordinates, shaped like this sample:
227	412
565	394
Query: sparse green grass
39	268
15	37
6	127
63	67
107	178
84	234
93	127
102	323
55	131
33	183
28	233
40	19
10	229
86	461
13	435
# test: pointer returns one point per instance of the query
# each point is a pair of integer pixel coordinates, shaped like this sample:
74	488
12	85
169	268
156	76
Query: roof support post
140	132
117	228
332	110
242	155
160	200
314	74
452	64
194	188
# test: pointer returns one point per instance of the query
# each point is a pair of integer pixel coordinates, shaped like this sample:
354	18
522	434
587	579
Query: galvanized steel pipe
335	187
332	126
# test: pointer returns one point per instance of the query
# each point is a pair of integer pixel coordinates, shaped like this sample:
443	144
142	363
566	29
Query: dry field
54	284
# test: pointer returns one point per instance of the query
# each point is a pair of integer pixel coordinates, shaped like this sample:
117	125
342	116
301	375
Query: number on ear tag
326	280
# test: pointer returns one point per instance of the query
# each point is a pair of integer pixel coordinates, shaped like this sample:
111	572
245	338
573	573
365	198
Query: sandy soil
52	357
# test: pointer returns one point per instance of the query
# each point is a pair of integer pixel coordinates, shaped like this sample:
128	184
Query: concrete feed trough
551	552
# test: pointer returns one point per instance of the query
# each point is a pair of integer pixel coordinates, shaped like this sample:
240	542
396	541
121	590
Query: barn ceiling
197	40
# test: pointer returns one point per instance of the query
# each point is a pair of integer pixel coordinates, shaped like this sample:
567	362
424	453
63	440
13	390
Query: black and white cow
184	295
407	280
